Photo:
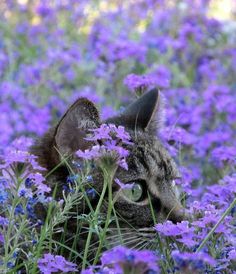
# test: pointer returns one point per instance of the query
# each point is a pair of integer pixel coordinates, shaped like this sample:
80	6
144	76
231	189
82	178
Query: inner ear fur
74	125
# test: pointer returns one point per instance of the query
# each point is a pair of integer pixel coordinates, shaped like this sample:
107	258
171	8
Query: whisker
143	245
118	235
131	240
141	242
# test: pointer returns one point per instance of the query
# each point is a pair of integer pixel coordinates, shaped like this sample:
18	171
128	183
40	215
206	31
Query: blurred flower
1	238
50	263
196	262
232	255
122	185
137	83
224	154
122	259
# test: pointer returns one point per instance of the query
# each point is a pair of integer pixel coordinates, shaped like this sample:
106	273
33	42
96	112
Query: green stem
227	211
108	176
86	249
158	237
43	234
15	202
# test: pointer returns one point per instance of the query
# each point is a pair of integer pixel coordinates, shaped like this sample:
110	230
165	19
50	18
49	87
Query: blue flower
30	208
3	196
10	265
89	178
29	182
91	193
22	193
72	178
19	210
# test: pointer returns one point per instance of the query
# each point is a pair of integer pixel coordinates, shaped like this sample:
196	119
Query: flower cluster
51	52
108	141
141	83
121	260
52	264
196	262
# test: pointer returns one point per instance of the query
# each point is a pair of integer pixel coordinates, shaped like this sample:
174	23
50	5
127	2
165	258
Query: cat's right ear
74	125
145	113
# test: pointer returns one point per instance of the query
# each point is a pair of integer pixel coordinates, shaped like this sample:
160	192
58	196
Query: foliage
52	52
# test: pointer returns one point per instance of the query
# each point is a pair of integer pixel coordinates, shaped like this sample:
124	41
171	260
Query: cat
150	167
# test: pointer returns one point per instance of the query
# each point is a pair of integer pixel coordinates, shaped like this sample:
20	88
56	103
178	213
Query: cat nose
178	214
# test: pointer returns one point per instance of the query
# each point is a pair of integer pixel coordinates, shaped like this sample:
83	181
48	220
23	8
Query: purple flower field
111	52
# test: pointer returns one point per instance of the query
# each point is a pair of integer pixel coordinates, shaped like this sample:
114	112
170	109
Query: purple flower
51	263
141	83
39	183
162	76
122	185
4	221
110	139
178	135
89	154
170	229
120	258
192	261
121	134
44	10
224	154
106	132
232	255
183	232
1	239
107	112
19	210
103	132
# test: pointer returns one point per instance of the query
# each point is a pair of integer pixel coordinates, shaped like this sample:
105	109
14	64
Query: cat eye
135	192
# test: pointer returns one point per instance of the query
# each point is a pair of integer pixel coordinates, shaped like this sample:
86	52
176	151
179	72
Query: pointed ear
71	130
144	113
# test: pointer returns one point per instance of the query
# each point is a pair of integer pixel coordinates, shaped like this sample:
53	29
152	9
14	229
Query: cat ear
144	113
74	125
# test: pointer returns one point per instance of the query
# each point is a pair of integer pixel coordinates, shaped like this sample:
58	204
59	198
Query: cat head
151	169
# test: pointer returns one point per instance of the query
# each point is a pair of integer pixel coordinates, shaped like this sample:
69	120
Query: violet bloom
232	255
197	262
103	132
170	229
122	185
124	260
89	154
162	76
108	141
51	263
182	231
39	183
4	221
1	239
44	10
224	154
137	83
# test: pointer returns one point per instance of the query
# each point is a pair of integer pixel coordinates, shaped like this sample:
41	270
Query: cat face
151	170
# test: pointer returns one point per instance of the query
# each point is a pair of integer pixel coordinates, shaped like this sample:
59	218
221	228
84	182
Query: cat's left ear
145	113
74	125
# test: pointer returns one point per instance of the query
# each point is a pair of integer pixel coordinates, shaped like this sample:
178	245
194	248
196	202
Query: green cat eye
135	192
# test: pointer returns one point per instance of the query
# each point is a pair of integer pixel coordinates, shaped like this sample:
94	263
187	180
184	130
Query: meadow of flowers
51	53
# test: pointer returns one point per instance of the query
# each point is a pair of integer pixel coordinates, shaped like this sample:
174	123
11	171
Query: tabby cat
150	167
